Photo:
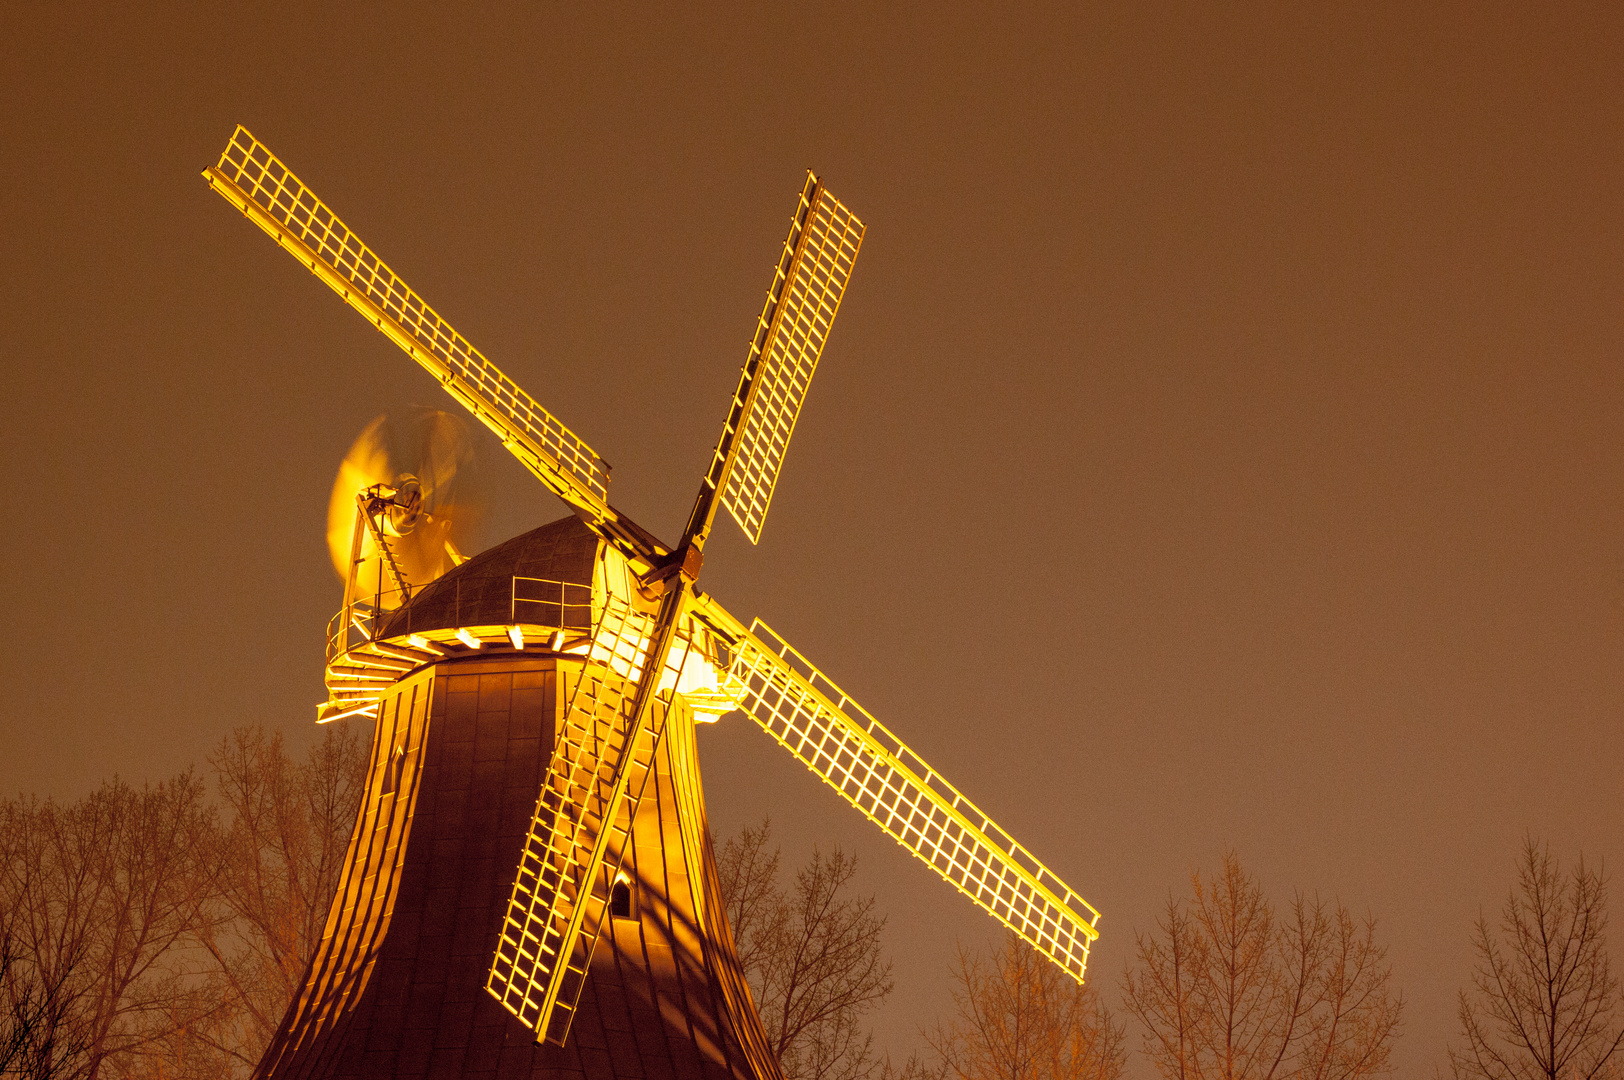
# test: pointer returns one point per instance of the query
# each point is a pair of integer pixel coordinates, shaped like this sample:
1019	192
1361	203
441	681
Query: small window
620	900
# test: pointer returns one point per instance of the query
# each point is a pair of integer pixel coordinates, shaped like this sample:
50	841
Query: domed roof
480	592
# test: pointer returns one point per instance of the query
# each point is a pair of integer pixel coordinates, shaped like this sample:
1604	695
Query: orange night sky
1219	443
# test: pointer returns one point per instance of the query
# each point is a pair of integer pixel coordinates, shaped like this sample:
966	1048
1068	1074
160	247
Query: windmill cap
480	591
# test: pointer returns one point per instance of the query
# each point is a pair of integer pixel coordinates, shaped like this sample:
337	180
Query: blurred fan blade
366	464
435	448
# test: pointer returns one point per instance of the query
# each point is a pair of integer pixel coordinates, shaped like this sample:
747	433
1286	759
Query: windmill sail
801	305
252	179
878	774
603	757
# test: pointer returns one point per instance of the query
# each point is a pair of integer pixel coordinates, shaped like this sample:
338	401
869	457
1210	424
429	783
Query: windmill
632	653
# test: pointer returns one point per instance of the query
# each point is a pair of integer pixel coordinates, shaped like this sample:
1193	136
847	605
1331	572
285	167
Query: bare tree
273	867
44	1035
1018	1017
41	1034
144	937
1545	1004
1225	990
99	897
812	954
1168	994
20	1021
748	873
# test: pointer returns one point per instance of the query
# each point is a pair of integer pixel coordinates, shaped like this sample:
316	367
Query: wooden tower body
397	986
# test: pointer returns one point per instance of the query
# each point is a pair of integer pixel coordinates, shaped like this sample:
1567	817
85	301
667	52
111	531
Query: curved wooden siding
362	905
397	987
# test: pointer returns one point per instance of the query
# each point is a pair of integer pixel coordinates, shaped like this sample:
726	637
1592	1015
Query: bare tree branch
1544	1003
1018	1017
1225	990
141	937
274	865
100	895
812	954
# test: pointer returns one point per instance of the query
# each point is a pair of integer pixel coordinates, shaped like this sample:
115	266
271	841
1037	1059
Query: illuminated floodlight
418	641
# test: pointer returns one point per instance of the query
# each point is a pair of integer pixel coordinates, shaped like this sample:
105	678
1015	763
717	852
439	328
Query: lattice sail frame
801	305
257	183
851	751
545	947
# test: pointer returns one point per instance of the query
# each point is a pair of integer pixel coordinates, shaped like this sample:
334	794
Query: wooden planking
654	1006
